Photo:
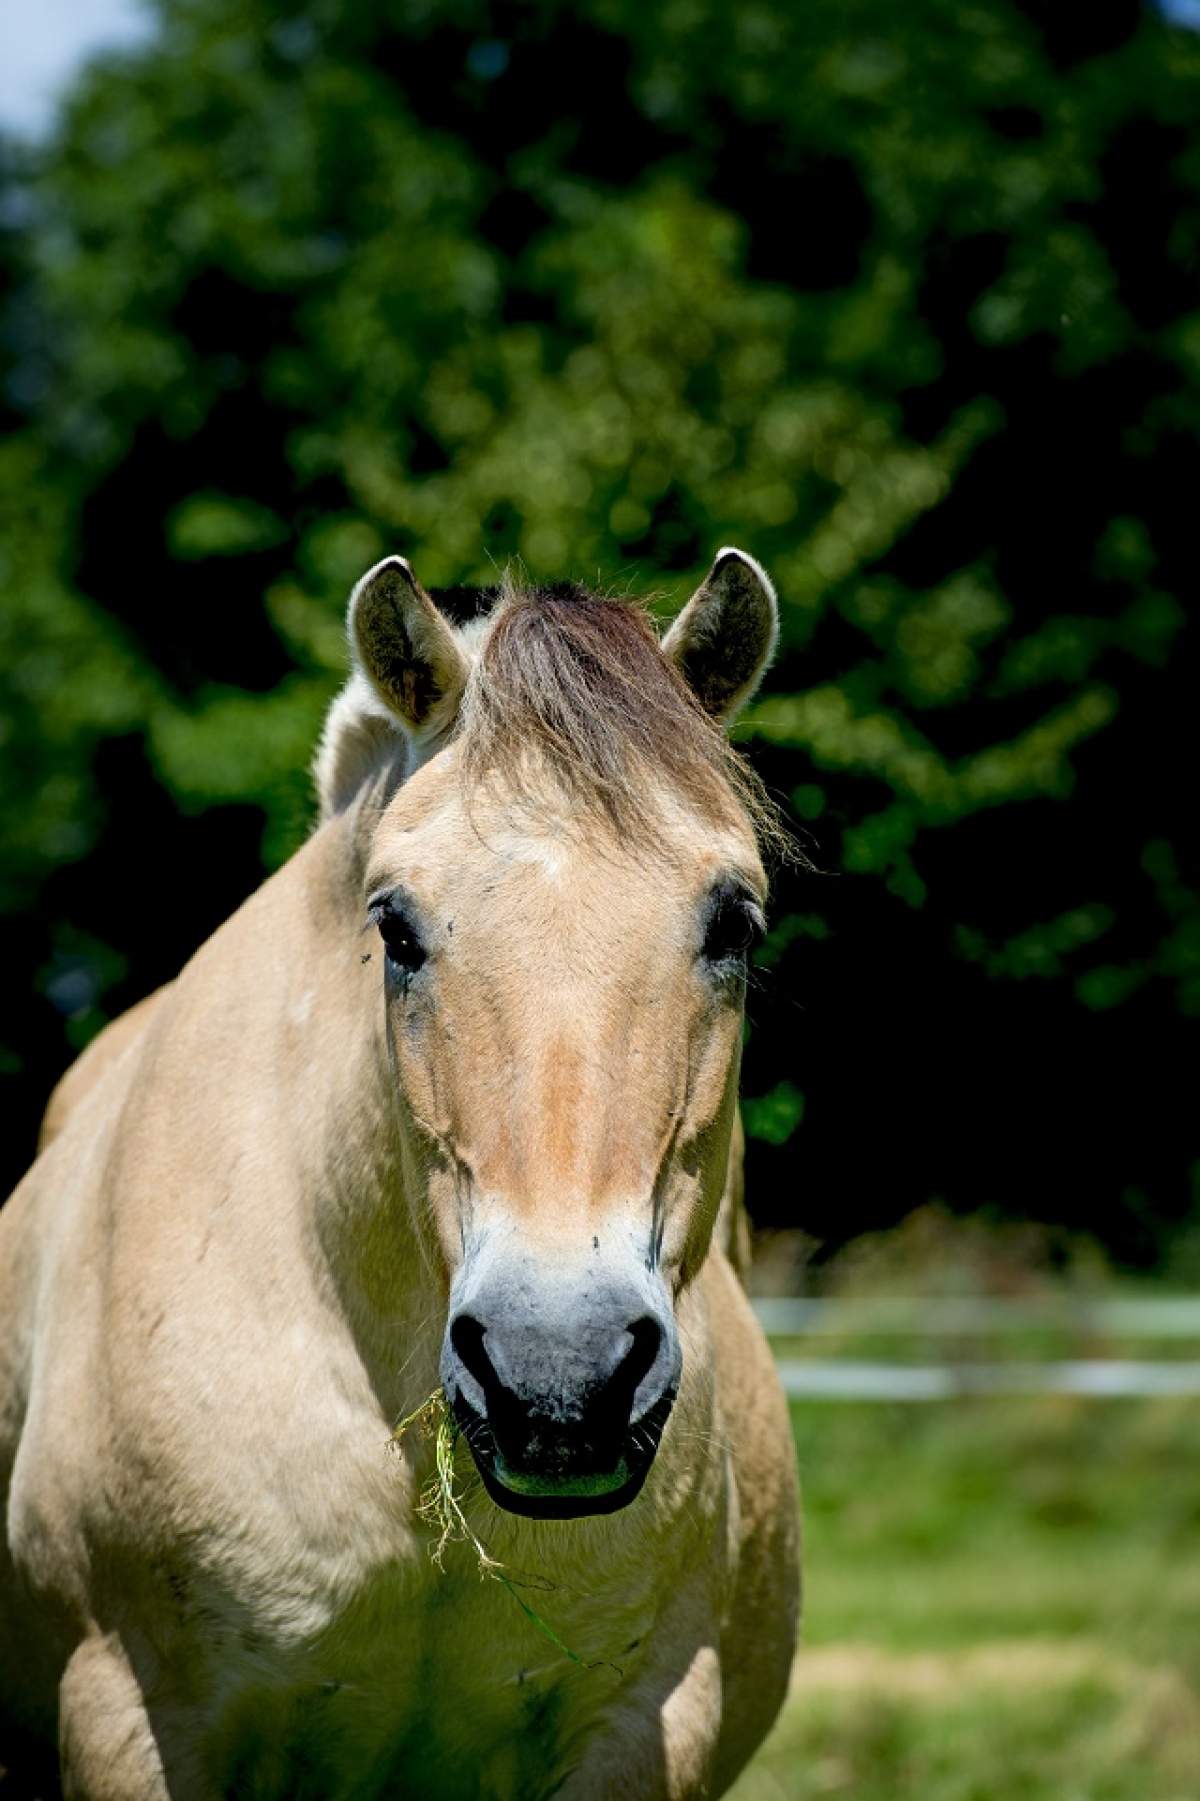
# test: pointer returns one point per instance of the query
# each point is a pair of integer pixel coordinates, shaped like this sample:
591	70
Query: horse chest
453	1691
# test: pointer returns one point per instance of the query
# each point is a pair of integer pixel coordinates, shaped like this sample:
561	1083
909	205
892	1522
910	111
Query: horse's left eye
735	925
401	939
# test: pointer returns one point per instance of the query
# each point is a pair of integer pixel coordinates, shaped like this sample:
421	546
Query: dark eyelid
757	917
738	891
392	900
739	887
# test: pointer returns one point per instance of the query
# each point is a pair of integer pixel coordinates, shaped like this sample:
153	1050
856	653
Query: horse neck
338	1109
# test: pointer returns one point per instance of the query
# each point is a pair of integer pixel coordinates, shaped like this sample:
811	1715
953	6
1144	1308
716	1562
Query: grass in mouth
441	1508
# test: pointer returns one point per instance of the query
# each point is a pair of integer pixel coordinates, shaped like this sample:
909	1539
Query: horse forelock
570	705
571	700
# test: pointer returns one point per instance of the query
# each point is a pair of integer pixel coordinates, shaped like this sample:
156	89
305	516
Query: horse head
560	857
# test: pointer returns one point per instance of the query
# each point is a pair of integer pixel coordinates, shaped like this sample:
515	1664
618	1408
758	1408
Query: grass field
1003	1604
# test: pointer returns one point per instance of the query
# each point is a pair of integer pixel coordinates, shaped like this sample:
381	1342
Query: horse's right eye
401	939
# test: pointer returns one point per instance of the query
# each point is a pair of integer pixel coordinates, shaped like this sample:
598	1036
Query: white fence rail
850	1379
1166	1316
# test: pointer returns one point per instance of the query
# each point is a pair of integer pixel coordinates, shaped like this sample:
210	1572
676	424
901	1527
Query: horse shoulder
146	1301
49	1435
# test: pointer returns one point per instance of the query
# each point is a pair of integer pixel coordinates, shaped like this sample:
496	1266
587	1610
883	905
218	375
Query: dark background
902	299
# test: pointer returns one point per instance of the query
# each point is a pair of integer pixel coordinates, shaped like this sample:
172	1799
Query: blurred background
903	300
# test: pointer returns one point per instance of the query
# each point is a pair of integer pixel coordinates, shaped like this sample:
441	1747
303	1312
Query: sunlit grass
1003	1604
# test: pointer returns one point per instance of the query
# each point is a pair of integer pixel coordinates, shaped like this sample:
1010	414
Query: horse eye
401	940
734	926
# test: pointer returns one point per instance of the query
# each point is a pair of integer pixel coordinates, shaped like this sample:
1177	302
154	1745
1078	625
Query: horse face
564	1025
564	1014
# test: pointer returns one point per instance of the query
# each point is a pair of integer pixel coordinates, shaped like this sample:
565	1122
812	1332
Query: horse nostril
467	1336
610	1405
647	1336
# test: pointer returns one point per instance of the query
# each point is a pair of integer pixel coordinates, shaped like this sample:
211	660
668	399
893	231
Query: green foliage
774	1116
903	300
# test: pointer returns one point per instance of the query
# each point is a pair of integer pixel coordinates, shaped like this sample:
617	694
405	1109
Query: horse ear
723	640
406	649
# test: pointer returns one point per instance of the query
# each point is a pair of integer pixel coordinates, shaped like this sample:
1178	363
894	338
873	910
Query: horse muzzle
561	1397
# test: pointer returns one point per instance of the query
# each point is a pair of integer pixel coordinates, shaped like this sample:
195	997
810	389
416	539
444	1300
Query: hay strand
442	1510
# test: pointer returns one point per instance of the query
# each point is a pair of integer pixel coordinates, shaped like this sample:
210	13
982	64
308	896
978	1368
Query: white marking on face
546	854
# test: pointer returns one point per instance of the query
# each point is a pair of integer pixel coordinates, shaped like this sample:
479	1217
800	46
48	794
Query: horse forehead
501	852
544	855
547	892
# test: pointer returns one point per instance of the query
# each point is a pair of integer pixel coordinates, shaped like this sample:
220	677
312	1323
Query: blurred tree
903	300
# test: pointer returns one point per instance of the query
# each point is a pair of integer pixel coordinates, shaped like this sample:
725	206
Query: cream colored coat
226	1276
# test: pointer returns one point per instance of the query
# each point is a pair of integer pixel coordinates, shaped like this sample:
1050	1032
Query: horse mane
570	707
572	686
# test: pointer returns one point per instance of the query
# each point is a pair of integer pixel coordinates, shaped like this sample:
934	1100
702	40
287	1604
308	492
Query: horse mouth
542	1495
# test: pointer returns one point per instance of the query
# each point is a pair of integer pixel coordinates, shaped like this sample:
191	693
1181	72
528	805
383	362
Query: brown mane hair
573	686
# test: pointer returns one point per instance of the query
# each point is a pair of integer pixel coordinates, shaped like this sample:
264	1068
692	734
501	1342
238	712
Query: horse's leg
106	1744
658	1742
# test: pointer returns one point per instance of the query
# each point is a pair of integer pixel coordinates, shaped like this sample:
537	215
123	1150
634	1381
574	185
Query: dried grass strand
442	1510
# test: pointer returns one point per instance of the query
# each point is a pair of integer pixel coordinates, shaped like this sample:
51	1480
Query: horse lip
550	1505
538	1500
521	1484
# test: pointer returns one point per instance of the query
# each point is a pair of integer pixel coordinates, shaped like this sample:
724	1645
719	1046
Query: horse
441	1122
